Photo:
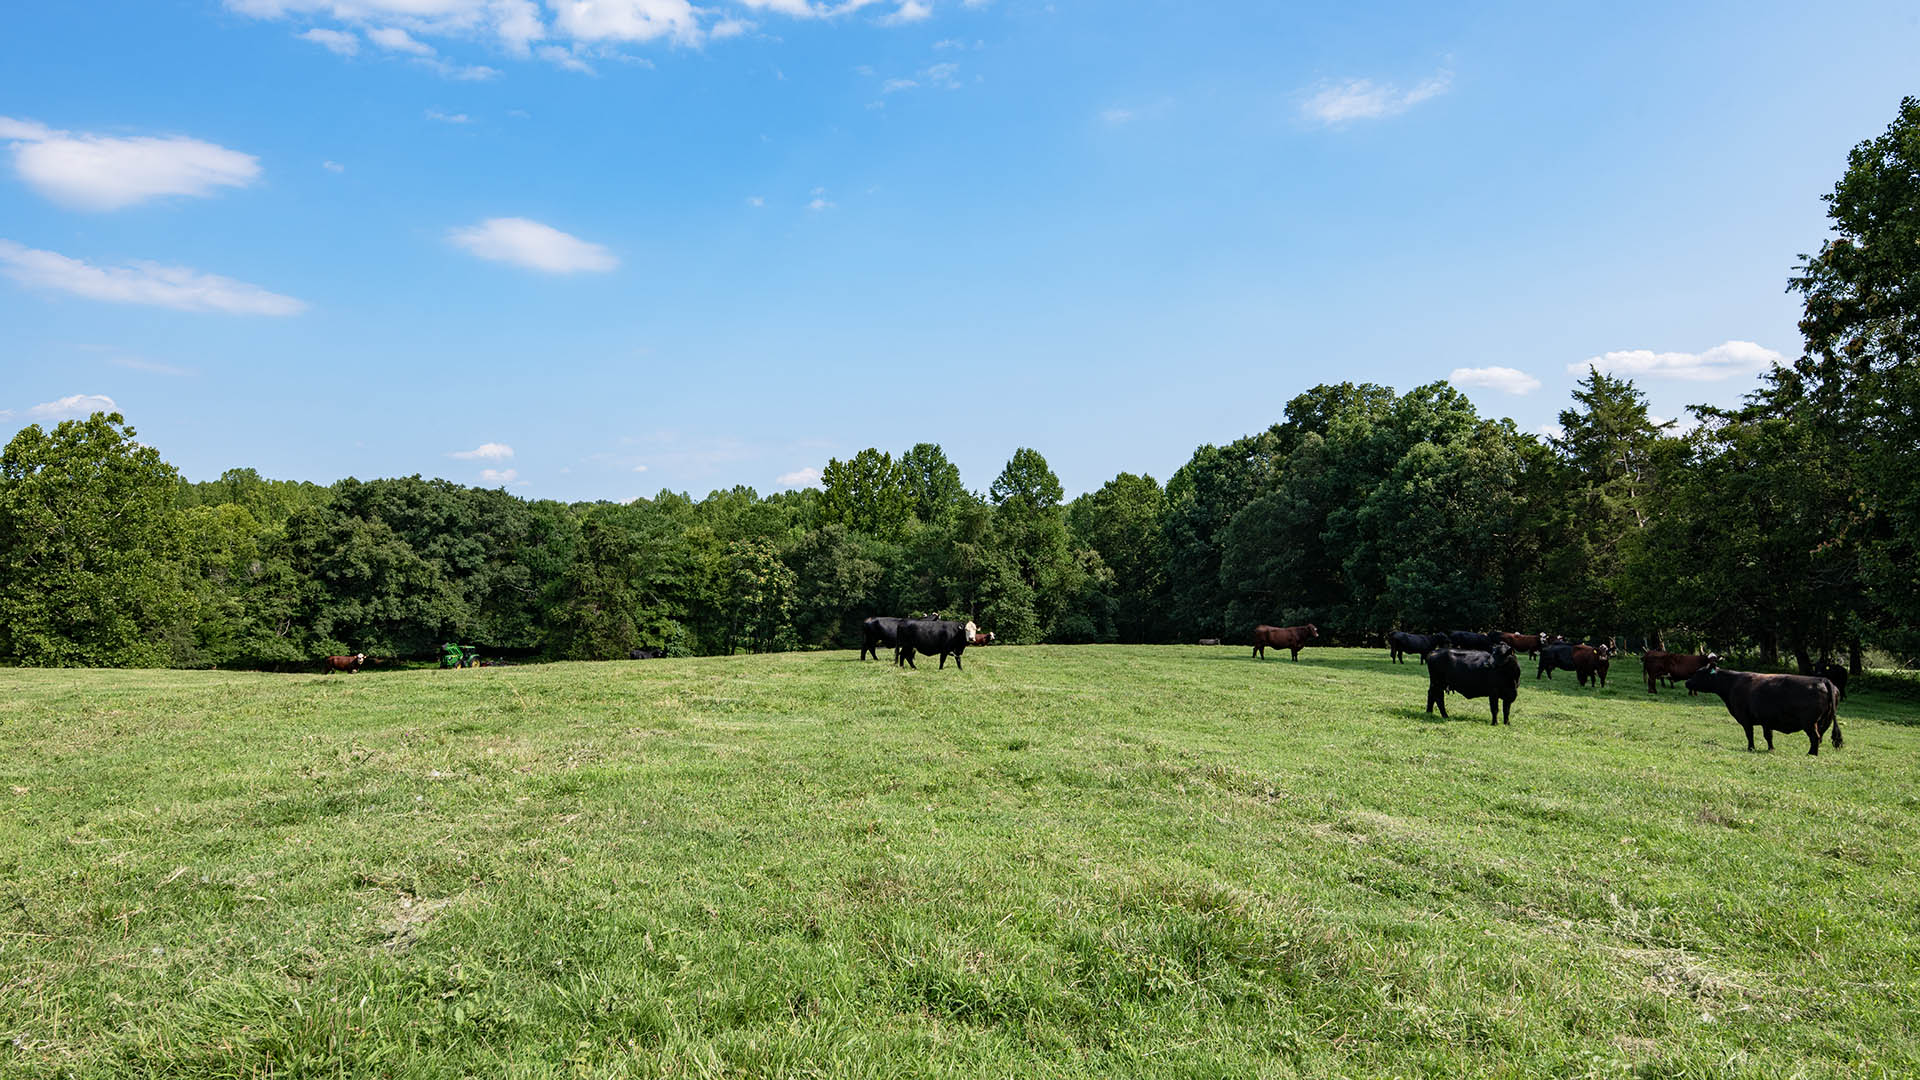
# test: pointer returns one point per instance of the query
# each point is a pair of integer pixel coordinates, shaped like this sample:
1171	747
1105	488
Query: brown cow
1657	665
1525	643
1293	638
348	664
1590	662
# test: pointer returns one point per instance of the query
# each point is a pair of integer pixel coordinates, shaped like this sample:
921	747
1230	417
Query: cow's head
1603	651
1312	631
971	630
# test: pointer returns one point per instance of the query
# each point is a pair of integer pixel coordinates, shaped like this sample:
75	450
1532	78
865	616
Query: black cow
1835	674
1467	639
1555	657
1400	643
1785	703
646	654
878	631
933	637
1494	675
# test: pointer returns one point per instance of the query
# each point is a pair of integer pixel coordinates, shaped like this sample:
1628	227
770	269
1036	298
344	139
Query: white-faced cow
1773	703
933	637
348	664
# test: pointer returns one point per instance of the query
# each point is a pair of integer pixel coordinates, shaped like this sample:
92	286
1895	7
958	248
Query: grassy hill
1096	861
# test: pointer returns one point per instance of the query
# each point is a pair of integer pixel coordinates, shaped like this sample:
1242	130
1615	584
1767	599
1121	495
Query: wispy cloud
333	166
448	118
1116	117
394	39
806	477
492	451
1730	359
342	42
1338	104
499	477
1506	379
532	245
100	172
756	200
151	367
142	282
909	11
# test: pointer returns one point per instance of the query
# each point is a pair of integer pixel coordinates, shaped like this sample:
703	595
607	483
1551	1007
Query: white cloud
70	407
1363	99
517	26
1506	379
564	59
492	451
449	118
142	282
342	42
819	203
806	477
532	245
639	468
499	477
394	39
626	20
756	200
333	166
99	172
1116	117
895	85
1727	360
908	11
1550	431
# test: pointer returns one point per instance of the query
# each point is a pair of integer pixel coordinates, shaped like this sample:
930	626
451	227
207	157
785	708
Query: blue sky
596	248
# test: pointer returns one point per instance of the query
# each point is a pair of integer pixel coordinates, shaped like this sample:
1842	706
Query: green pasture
1063	861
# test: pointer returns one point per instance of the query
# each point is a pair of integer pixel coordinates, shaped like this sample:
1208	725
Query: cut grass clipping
1095	861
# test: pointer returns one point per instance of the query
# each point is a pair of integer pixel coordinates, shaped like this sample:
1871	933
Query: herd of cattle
1476	665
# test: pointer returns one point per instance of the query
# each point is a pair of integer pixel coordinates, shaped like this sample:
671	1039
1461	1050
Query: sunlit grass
1061	861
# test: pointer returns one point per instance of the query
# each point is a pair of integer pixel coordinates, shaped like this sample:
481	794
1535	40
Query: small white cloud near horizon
532	245
492	451
71	407
1727	360
1551	431
99	172
1506	379
499	477
806	477
1363	99
152	367
142	282
639	468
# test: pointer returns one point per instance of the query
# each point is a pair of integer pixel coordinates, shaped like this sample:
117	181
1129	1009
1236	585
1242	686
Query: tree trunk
1769	648
1804	658
1854	663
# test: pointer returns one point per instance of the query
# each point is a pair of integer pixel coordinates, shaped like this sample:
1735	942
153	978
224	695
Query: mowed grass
1095	861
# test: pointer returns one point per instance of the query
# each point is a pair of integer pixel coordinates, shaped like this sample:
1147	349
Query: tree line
1787	526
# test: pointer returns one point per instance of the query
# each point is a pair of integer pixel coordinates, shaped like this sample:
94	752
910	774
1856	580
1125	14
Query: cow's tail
1833	711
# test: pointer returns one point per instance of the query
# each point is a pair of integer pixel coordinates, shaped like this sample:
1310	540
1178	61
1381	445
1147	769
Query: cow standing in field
348	664
1555	657
878	631
1400	643
1591	663
1494	675
1837	675
1657	665
1467	639
1292	638
1784	703
933	637
646	654
1531	644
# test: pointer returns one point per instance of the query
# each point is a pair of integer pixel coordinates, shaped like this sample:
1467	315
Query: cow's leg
1769	732
1836	732
1296	656
956	662
943	661
1813	740
1493	704
1749	736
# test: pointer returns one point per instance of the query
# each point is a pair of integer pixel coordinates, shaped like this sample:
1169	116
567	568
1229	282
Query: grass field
1095	861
